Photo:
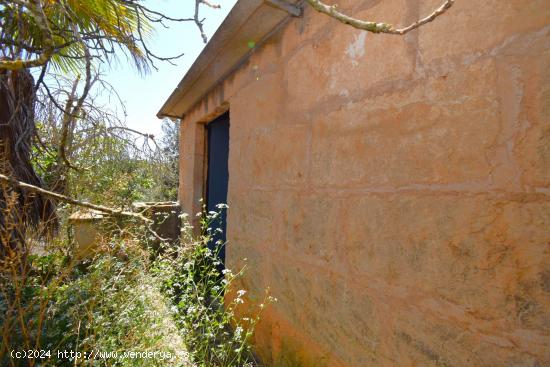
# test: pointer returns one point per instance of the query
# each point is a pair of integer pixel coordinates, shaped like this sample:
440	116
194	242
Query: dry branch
375	27
104	209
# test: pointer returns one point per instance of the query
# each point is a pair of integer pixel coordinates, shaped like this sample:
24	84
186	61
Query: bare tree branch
375	27
199	22
104	209
145	135
71	112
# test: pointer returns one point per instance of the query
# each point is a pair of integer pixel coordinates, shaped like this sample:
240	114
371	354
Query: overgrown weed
202	307
124	299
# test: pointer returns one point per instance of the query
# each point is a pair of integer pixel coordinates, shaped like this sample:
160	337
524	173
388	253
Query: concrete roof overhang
249	20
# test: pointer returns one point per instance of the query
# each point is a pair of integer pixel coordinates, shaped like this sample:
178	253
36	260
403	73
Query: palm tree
67	36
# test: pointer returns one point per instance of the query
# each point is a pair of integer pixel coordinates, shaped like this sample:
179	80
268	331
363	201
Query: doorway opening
217	178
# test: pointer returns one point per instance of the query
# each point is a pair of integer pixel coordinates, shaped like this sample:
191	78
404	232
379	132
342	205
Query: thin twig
376	27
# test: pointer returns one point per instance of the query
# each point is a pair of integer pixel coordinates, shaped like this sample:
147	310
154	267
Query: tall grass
127	298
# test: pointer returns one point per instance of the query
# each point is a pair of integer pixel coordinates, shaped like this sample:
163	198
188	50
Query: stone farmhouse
393	192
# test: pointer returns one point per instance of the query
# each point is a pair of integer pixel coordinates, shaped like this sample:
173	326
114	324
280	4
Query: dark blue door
218	175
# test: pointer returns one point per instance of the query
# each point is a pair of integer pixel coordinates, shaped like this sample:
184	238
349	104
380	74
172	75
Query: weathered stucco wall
393	192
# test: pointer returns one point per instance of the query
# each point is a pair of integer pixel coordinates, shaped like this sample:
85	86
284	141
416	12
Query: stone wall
393	192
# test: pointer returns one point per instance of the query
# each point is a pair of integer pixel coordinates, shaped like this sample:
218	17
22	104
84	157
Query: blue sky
144	95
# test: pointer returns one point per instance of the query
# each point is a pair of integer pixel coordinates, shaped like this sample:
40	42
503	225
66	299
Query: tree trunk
19	208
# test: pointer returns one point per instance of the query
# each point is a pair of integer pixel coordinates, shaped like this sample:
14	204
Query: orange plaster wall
393	192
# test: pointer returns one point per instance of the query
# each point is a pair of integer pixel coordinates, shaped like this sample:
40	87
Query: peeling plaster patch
356	49
471	58
543	190
344	93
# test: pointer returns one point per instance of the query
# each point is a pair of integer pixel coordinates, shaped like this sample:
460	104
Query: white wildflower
240	293
238	332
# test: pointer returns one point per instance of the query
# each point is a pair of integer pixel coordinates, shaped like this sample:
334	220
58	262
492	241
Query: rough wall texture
393	192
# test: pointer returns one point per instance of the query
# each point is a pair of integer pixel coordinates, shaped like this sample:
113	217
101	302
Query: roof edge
227	49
